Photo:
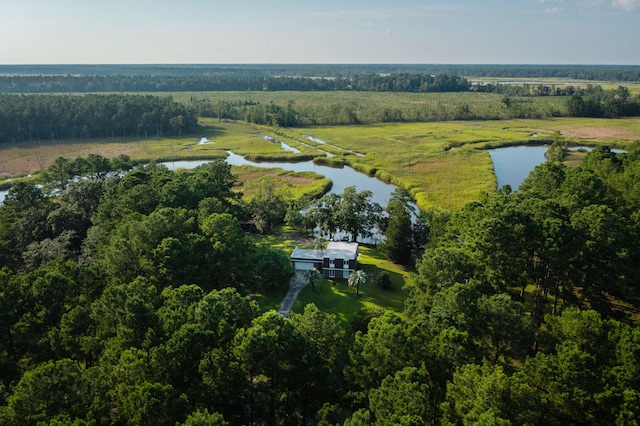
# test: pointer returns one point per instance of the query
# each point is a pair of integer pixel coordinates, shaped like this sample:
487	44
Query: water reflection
282	144
513	164
341	177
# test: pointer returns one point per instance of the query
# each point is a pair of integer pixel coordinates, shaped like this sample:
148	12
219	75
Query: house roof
305	254
334	250
341	250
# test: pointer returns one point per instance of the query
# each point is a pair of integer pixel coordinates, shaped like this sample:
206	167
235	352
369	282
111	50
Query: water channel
341	177
511	166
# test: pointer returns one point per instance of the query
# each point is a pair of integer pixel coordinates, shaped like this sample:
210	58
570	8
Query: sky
319	31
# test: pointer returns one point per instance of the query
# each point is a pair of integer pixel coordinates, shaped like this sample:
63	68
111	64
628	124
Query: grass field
370	107
419	156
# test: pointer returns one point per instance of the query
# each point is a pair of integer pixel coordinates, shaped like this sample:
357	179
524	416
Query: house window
332	273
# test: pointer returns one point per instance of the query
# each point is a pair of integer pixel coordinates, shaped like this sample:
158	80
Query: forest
133	294
36	117
127	297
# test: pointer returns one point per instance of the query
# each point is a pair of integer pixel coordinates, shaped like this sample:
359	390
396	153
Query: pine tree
398	234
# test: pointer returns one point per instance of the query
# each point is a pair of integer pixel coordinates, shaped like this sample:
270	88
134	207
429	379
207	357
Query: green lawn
335	296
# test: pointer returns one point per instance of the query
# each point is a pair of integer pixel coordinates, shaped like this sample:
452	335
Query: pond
513	164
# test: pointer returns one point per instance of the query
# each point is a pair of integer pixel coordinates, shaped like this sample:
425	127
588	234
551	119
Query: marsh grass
290	184
443	164
446	164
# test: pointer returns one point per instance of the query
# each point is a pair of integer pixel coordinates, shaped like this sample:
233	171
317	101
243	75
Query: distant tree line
35	117
372	82
516	103
592	101
581	72
67	117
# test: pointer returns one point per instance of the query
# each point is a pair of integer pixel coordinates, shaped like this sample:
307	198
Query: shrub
383	280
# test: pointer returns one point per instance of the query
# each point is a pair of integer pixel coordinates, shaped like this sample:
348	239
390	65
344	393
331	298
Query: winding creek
341	177
511	166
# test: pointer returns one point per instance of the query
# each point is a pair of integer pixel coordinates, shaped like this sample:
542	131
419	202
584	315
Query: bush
383	280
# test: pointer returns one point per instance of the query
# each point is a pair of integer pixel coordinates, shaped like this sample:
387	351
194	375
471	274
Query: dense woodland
127	292
125	299
595	102
67	117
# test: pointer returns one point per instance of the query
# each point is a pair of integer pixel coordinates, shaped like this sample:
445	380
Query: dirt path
297	283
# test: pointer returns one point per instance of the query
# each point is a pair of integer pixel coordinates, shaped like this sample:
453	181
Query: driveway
297	283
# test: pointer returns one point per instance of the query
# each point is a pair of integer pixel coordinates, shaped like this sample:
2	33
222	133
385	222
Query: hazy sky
320	31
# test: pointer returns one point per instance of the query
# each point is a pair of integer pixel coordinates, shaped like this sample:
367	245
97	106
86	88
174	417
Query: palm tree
356	279
312	275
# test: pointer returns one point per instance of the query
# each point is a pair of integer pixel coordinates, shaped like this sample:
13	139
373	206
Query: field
368	107
421	156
